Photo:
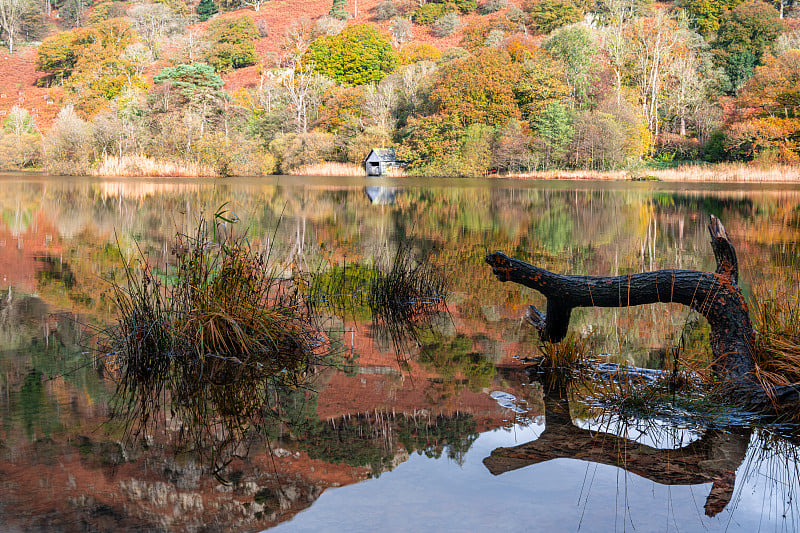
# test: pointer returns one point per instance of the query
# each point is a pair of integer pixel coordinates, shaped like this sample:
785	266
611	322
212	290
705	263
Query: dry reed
144	166
330	169
700	172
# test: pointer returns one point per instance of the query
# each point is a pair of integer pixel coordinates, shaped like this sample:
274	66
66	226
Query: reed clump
405	296
776	320
204	346
571	354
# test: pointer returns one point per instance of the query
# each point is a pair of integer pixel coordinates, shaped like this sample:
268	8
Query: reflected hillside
372	410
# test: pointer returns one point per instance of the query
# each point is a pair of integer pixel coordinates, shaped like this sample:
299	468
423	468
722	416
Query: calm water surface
379	445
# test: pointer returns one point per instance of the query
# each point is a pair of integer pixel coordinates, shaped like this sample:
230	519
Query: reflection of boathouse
380	160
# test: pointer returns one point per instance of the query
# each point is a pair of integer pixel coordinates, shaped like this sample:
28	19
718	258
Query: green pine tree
205	9
339	10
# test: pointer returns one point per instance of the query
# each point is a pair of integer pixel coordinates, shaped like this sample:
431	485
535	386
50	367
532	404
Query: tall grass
329	168
733	172
405	297
141	165
776	320
204	345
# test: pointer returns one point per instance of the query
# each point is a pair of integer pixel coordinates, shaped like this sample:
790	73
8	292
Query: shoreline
699	173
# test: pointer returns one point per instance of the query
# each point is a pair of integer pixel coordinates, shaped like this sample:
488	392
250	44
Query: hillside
457	88
18	72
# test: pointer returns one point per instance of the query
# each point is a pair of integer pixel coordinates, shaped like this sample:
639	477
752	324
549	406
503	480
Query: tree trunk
715	295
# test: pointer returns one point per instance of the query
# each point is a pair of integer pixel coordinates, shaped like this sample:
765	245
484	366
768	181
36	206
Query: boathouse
380	160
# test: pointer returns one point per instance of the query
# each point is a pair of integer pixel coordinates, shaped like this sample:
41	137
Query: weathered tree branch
715	295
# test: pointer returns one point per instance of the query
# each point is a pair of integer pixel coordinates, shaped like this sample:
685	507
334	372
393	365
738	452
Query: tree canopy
359	55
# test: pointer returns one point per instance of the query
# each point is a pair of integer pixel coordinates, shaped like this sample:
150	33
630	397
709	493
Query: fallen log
715	295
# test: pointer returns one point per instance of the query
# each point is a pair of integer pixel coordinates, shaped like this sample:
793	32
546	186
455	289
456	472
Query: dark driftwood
715	295
713	458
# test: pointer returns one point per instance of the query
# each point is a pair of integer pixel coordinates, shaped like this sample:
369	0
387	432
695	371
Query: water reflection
402	445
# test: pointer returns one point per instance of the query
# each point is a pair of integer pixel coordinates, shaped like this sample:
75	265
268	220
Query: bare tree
616	20
653	41
300	84
19	121
154	22
296	40
380	101
688	87
192	46
255	4
11	12
401	31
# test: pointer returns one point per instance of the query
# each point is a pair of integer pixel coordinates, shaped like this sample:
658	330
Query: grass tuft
205	347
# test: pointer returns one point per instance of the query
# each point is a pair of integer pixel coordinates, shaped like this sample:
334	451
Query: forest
458	88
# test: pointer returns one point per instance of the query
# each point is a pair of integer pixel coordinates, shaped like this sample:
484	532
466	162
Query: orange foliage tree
478	89
768	123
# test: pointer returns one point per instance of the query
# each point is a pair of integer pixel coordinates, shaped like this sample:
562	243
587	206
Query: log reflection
713	458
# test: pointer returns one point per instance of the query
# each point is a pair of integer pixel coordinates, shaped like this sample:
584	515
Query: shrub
386	10
233	43
293	151
492	6
416	52
453	53
401	30
68	144
361	54
446	25
431	12
475	33
494	38
19	151
327	25
465	6
546	15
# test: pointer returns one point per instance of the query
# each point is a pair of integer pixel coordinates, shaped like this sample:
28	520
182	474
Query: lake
393	436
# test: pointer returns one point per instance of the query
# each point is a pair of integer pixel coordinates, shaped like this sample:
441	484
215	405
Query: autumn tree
153	23
428	142
478	88
58	55
745	33
92	63
233	43
545	16
542	82
573	46
341	106
415	52
707	14
772	97
361	54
